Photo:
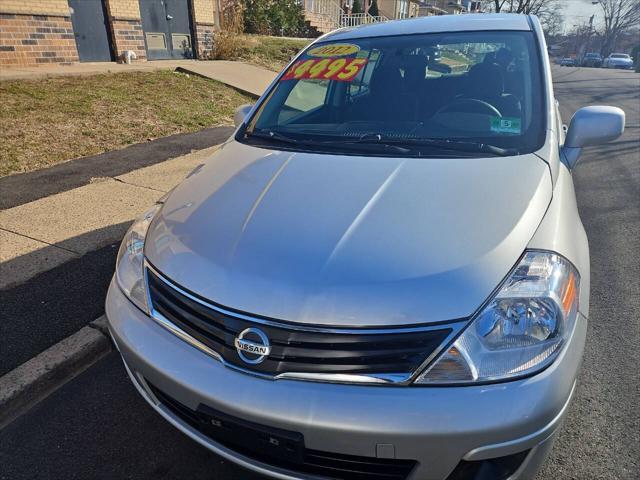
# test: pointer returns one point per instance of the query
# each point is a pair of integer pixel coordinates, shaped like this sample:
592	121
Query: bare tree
521	6
551	19
619	16
498	4
549	11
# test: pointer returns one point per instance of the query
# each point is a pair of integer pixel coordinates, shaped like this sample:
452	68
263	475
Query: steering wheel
474	106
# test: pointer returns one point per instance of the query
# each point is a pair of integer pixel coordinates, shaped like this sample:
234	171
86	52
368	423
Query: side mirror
241	113
591	126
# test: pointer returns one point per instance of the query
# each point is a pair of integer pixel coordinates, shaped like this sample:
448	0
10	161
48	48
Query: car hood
348	240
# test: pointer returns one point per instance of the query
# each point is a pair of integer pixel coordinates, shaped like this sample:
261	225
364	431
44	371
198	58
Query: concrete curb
34	380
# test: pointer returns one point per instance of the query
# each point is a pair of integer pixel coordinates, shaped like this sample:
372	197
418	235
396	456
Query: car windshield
619	55
471	94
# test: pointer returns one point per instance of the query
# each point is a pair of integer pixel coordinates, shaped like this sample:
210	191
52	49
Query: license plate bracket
251	438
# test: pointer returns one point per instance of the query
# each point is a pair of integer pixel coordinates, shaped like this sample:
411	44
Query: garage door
90	30
167	28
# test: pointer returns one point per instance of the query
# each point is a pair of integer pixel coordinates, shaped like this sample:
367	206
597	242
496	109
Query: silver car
383	273
618	60
568	62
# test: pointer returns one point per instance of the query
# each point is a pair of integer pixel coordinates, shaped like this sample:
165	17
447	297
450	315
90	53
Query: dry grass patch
272	53
48	121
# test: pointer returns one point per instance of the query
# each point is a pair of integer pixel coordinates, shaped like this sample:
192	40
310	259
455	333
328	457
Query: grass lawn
48	121
269	52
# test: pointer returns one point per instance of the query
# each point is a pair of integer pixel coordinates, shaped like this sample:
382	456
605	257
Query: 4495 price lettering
341	69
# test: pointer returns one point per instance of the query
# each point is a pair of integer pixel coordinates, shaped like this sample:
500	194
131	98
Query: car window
481	87
619	55
304	97
362	82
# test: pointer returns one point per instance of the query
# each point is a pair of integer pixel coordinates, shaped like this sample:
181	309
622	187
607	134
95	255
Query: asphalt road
97	427
601	436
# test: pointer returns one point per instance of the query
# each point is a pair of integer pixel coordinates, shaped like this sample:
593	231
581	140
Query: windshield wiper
462	146
272	135
397	145
447	144
375	145
350	143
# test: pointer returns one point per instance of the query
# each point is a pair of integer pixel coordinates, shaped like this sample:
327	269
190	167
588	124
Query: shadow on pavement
58	302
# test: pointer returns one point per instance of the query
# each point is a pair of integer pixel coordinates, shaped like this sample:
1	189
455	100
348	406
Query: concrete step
323	27
320	22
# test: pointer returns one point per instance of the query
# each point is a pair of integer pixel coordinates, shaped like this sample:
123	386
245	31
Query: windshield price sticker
335	50
506	125
340	69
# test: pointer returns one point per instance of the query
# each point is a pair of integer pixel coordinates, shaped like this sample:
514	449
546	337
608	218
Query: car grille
294	348
309	462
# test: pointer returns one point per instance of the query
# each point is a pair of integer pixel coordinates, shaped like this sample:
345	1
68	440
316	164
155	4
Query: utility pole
589	32
576	41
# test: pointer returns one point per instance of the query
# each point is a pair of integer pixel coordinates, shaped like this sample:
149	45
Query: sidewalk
47	232
242	76
88	68
57	254
59	234
44	233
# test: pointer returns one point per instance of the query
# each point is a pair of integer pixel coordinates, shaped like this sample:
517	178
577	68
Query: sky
577	12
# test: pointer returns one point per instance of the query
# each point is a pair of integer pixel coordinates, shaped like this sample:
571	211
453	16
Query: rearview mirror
241	113
591	126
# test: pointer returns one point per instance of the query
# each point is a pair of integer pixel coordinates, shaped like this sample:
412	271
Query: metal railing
327	11
355	19
330	14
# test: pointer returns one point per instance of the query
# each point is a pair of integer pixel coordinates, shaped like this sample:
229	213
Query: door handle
169	17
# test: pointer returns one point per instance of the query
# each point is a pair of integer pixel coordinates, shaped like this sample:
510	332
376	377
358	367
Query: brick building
34	32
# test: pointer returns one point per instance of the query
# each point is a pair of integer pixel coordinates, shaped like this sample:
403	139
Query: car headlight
520	331
130	262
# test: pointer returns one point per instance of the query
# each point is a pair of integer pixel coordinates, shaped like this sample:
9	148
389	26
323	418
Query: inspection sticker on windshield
334	50
340	69
506	125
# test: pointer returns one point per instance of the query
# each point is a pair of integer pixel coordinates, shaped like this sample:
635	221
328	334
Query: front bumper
435	426
621	66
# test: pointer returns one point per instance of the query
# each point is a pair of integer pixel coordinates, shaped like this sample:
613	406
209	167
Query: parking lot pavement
97	427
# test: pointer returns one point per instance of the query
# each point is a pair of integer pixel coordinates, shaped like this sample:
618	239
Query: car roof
435	24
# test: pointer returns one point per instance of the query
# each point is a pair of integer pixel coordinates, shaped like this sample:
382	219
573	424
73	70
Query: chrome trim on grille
363	379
